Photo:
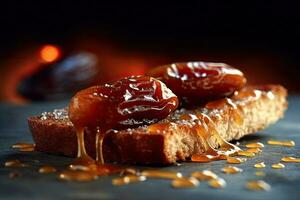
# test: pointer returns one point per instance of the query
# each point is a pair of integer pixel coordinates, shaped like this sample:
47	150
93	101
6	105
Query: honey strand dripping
290	159
99	146
83	160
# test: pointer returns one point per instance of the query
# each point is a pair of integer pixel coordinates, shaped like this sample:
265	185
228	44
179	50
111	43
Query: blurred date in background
49	50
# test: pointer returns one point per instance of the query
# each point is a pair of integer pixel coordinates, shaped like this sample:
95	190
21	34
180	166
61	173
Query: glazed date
199	82
128	102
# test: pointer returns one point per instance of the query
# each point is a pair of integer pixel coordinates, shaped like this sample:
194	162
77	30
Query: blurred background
49	50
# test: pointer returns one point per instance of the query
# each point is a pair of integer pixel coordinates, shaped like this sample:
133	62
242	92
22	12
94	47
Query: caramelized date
199	82
128	102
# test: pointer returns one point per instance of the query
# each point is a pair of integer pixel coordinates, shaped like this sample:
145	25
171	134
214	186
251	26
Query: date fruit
125	103
199	82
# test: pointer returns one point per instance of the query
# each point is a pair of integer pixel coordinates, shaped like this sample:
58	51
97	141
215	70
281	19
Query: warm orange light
49	53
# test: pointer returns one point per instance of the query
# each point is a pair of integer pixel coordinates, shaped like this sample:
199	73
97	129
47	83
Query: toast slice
257	106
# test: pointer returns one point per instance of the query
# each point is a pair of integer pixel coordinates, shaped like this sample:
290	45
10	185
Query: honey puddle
282	143
258	185
290	159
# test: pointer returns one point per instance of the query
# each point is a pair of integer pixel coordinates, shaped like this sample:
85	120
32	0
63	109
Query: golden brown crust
259	106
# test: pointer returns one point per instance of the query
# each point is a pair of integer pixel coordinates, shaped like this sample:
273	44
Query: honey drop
255	145
260	165
217	183
47	170
278	166
128	179
231	170
234	160
282	143
246	153
185	182
204	175
71	175
161	174
260	173
14	163
258	185
290	159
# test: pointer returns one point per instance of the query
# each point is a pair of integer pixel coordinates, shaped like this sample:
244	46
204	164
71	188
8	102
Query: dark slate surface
285	182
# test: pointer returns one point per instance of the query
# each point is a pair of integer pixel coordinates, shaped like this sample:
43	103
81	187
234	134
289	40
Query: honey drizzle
290	159
282	143
205	128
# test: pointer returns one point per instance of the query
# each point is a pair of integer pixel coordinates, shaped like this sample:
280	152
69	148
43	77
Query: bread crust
259	107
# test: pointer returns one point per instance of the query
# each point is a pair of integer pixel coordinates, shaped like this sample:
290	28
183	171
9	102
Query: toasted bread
258	107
